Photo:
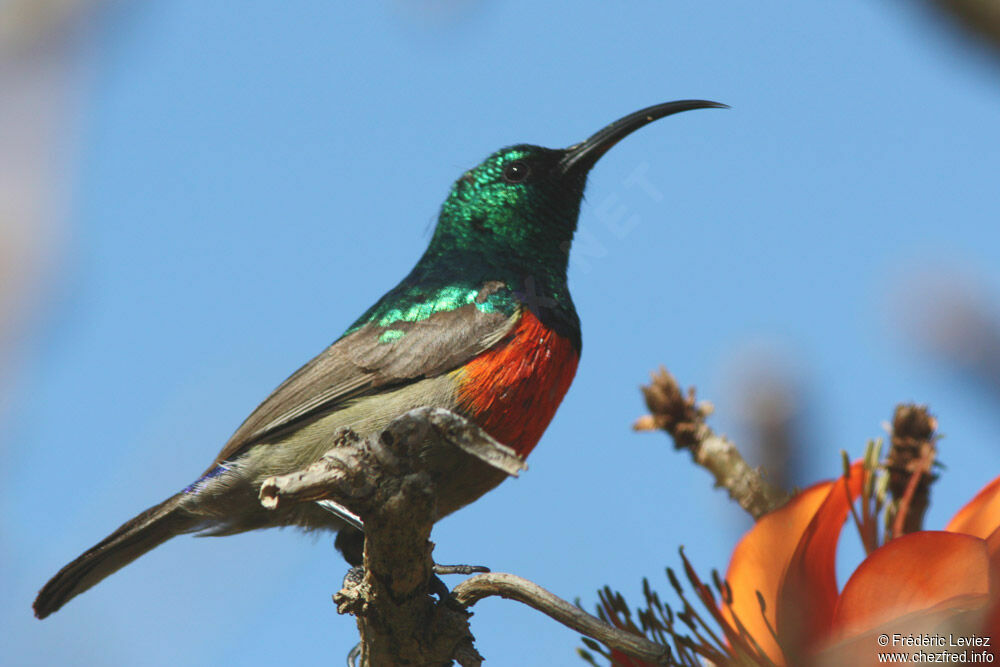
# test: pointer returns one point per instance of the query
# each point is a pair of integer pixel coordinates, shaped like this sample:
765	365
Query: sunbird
483	325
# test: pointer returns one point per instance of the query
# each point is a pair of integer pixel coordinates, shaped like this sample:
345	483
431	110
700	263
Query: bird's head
521	203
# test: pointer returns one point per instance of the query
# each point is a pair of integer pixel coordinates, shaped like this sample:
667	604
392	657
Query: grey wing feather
358	364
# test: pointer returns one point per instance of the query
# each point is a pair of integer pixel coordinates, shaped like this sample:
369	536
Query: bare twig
512	587
388	480
399	482
684	419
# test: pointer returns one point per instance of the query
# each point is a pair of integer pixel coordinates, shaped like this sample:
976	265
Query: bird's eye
516	172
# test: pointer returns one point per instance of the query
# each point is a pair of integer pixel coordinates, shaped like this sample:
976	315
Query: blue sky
249	182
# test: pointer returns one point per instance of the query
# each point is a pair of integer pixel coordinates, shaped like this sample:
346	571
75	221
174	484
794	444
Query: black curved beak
582	156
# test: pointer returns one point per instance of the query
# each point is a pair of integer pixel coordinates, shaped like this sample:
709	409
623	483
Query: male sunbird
483	325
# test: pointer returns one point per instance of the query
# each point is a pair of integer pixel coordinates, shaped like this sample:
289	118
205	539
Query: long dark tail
137	536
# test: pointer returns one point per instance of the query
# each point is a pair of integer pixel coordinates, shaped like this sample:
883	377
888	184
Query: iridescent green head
518	209
516	205
509	220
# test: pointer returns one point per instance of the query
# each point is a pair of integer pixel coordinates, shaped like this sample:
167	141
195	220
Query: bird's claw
459	569
352	657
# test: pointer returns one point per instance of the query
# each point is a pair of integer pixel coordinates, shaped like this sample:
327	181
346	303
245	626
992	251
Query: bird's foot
350	600
352	657
437	586
459	569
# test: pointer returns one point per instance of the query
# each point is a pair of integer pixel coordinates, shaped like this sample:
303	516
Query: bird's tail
135	537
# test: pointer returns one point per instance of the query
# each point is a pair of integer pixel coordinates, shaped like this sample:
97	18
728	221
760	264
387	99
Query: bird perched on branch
483	325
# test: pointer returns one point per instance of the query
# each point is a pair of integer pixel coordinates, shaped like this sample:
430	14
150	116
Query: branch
394	481
684	419
513	587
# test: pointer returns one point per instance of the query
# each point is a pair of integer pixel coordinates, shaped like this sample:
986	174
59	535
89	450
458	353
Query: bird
483	325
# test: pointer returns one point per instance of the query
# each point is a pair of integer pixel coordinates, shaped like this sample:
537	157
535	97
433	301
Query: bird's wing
371	358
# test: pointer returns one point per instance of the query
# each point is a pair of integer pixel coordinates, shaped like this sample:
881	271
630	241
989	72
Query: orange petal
761	558
961	615
992	624
981	516
807	594
914	585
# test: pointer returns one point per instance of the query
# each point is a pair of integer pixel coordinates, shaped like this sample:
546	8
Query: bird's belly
513	389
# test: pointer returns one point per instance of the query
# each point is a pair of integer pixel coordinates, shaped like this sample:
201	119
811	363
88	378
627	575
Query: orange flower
911	594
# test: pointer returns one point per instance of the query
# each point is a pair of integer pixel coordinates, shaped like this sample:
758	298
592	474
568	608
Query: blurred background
195	201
